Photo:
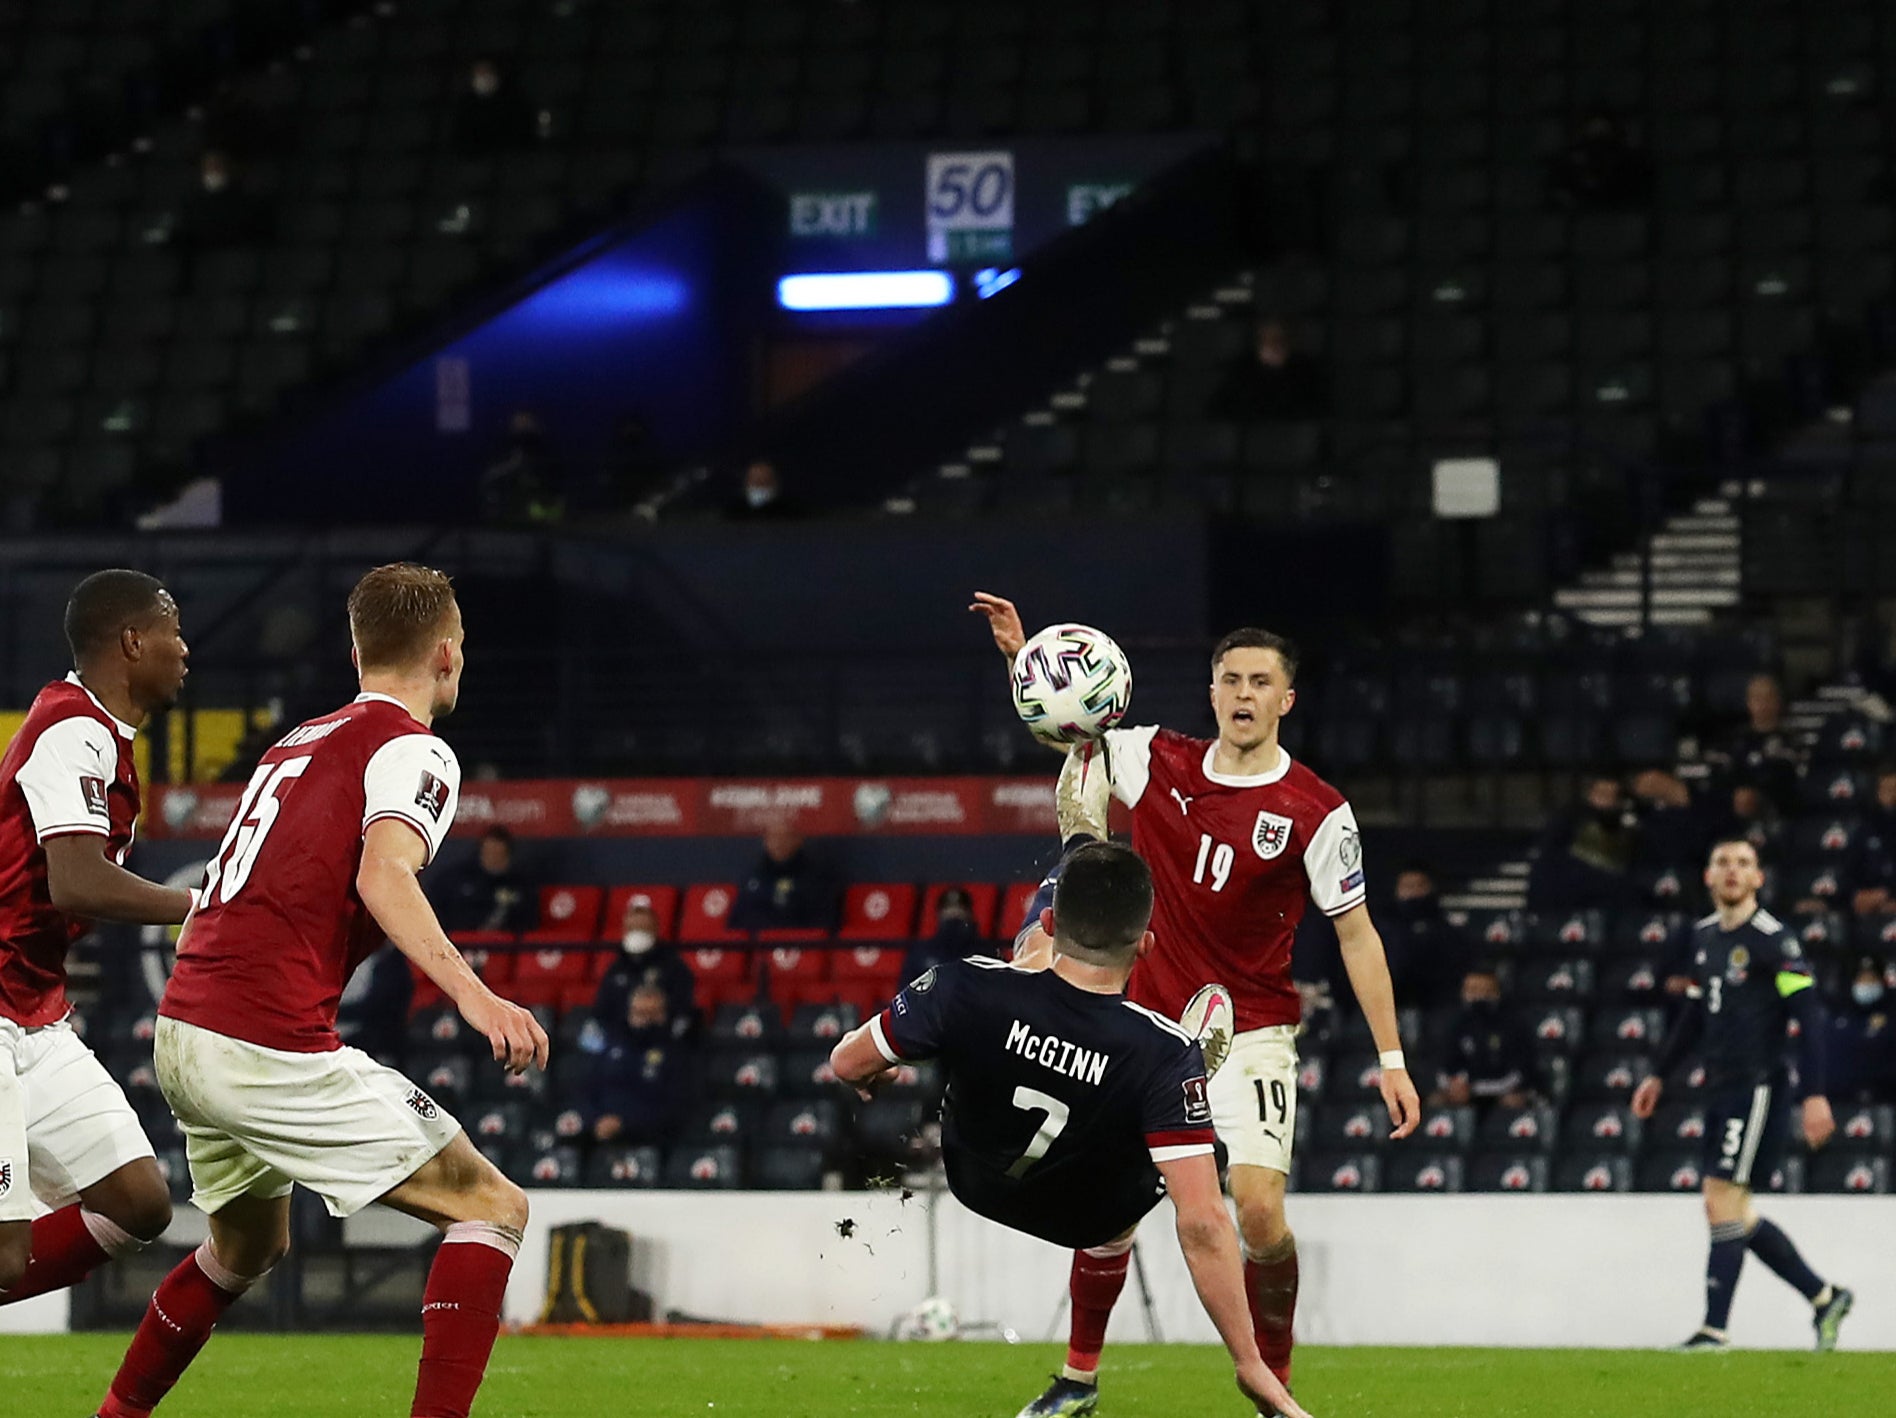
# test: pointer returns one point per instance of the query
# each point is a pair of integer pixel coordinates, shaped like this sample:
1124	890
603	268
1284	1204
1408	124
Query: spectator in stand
1586	853
645	960
223	211
638	1084
761	497
1672	827
1762	753
1428	954
1756	818
1876	875
1490	1057
490	893
1861	1062
1276	385
523	484
956	936
788	889
373	1014
491	116
1602	169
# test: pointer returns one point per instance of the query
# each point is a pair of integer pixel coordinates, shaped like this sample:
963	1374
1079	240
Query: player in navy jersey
1070	1110
1241	839
69	802
1750	983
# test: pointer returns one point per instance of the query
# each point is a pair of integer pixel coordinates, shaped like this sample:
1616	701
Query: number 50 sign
970	199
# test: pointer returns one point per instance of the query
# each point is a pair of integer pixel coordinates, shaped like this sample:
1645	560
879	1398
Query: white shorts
1254	1098
64	1124
258	1120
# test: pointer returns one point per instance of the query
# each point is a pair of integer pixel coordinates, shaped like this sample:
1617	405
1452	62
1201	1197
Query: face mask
637	942
1484	1006
486	84
1866	994
759	496
215	182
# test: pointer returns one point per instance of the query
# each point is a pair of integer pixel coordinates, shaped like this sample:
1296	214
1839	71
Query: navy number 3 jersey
1059	1101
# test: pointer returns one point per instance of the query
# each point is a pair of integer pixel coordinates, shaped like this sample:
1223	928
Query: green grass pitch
341	1376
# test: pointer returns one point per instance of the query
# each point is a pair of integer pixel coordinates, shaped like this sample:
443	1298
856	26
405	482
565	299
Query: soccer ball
1071	683
933	1320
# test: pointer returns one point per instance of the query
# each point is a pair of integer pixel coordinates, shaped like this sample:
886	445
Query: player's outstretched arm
1210	1245
1003	620
86	882
1368	968
388	881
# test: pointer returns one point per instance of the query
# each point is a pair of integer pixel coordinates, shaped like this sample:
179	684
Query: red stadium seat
867	976
878	911
1014	909
722	976
706	911
664	902
427	993
568	913
983	895
541	975
798	976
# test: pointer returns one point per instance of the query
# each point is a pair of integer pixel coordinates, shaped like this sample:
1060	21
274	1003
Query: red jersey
280	927
1233	861
68	770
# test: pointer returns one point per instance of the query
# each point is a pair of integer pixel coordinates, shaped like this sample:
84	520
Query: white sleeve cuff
1182	1151
882	1040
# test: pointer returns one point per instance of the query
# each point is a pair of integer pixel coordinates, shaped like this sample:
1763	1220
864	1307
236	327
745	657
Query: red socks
1098	1277
68	1245
186	1306
1271	1287
460	1316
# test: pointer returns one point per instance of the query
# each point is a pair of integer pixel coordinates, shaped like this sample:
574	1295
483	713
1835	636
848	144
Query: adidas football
1071	683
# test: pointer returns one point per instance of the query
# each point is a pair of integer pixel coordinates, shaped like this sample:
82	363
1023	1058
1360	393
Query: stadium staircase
1694	562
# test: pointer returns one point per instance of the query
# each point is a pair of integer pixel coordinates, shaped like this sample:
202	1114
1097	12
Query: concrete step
1726	524
1672	580
1696	541
1629	619
1475	901
1587	598
1677	561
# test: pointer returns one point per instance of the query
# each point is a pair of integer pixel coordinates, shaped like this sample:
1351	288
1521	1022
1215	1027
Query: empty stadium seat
567	913
877	911
703	920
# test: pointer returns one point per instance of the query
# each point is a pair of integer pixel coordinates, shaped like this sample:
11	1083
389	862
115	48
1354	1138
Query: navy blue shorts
1746	1131
1059	1211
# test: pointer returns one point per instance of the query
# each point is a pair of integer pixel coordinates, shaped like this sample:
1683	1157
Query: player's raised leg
481	1216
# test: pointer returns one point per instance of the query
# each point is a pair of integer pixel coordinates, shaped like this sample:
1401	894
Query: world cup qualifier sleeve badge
1271	835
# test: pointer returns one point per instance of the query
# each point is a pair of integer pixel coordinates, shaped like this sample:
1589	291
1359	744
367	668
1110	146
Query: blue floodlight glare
990	279
865	290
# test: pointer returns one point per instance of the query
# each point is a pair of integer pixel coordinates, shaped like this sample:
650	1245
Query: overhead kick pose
1070	1110
1239	838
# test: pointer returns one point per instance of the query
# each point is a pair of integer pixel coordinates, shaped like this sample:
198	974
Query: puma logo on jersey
1184	803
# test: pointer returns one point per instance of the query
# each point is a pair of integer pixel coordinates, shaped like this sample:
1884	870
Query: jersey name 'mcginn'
1087	1065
